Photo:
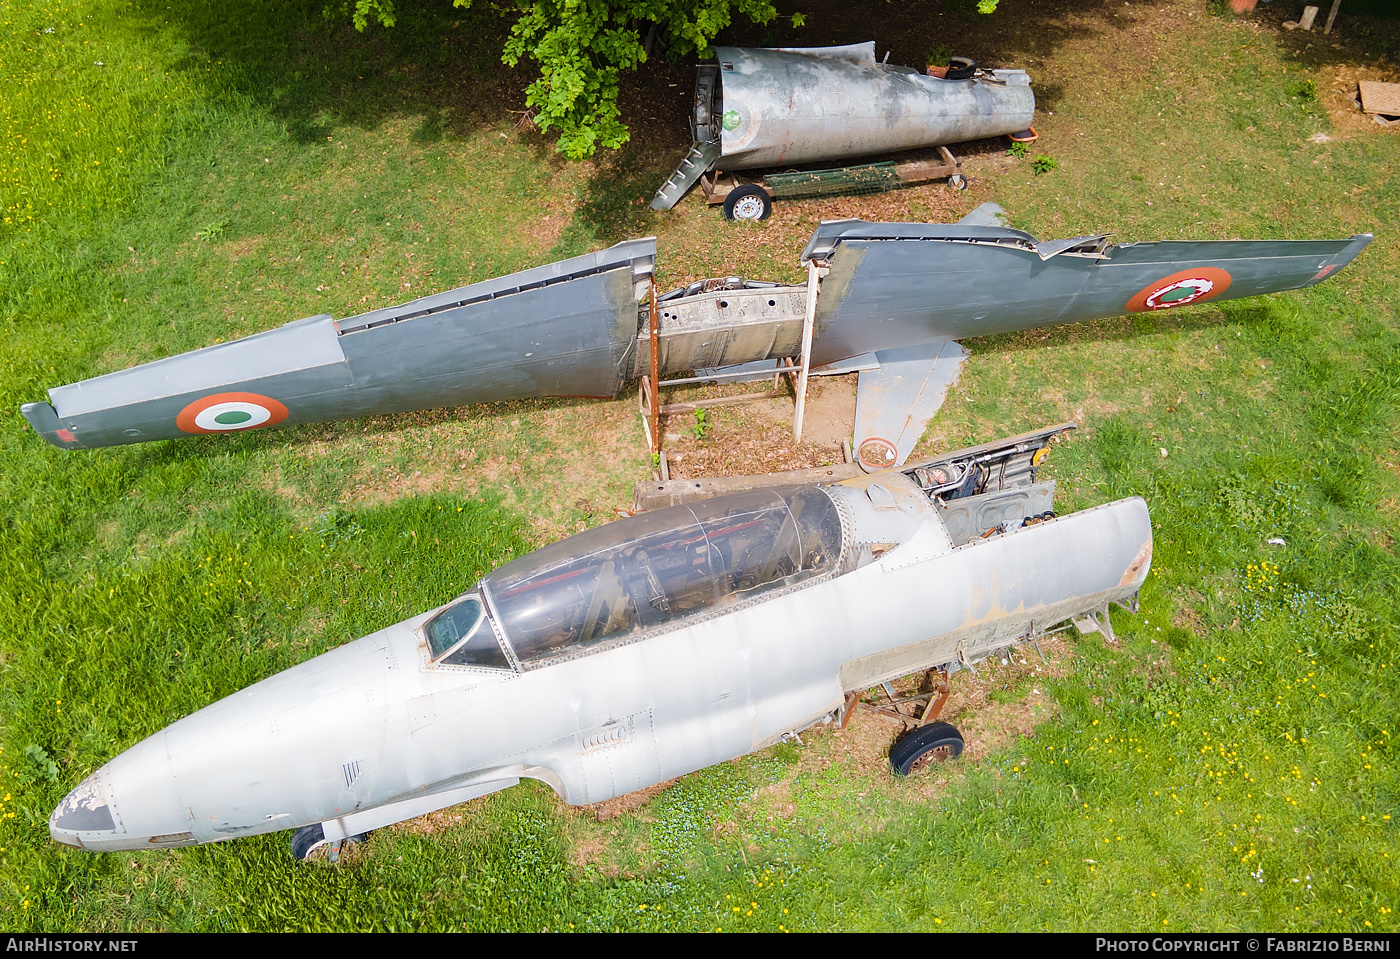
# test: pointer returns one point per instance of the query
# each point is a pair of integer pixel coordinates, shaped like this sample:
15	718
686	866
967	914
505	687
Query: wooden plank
1380	97
807	327
917	170
722	401
1331	17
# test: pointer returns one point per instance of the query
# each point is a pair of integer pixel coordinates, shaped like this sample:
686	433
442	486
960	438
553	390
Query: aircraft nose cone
86	810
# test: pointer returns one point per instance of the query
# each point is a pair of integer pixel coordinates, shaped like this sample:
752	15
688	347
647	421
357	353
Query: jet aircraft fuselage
633	653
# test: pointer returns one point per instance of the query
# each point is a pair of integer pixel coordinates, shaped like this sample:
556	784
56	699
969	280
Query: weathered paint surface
895	284
891	292
376	731
786	106
564	329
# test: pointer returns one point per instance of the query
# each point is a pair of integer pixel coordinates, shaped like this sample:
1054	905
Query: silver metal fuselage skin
371	733
785	106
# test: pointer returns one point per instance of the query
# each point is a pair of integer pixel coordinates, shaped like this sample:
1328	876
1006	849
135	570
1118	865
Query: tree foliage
581	48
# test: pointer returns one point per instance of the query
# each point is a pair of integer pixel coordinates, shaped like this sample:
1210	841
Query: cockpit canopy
461	636
661	567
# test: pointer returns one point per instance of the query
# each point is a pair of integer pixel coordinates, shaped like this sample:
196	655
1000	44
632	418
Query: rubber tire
744	192
306	840
961	68
936	738
958	182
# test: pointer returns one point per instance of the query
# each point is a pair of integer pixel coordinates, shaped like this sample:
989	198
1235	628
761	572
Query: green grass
1228	765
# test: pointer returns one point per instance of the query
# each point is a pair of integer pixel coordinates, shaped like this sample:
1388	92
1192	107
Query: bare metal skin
775	108
633	653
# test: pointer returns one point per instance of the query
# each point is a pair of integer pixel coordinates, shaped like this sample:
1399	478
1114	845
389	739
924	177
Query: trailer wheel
934	743
748	202
957	181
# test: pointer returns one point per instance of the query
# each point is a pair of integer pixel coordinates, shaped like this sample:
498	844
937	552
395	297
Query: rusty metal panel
725	328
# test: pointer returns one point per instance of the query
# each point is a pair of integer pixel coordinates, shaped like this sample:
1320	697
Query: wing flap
895	402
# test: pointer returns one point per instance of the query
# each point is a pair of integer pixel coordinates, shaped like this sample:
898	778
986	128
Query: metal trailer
753	200
760	108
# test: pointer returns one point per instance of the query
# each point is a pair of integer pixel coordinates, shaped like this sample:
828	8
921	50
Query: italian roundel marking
1188	286
227	412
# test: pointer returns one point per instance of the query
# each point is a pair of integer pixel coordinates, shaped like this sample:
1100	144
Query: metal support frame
911	173
655	419
933	701
649	395
813	280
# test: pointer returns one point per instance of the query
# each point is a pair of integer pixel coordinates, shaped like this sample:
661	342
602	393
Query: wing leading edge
893	285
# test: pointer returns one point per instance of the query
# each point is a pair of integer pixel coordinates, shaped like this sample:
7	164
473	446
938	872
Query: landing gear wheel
957	181
934	743
960	68
306	840
748	202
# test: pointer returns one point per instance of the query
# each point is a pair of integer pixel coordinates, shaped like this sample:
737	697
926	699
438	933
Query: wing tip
44	419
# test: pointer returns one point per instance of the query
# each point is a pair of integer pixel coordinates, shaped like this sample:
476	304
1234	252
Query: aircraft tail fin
988	214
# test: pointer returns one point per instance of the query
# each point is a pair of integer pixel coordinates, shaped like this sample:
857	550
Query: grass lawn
171	176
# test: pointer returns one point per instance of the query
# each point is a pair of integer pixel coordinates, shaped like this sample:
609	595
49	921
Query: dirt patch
618	805
757	437
440	821
1001	702
275	483
238	249
592	851
1187	616
387	484
543	234
1338	88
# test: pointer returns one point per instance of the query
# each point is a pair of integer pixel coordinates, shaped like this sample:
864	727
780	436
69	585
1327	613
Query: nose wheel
308	839
929	741
934	743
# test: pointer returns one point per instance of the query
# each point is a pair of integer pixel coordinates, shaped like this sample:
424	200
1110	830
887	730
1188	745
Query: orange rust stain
1137	569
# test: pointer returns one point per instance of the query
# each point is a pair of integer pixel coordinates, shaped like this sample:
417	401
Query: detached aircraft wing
896	296
564	329
891	300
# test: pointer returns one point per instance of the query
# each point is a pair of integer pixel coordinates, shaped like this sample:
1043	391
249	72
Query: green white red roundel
1188	286
227	412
